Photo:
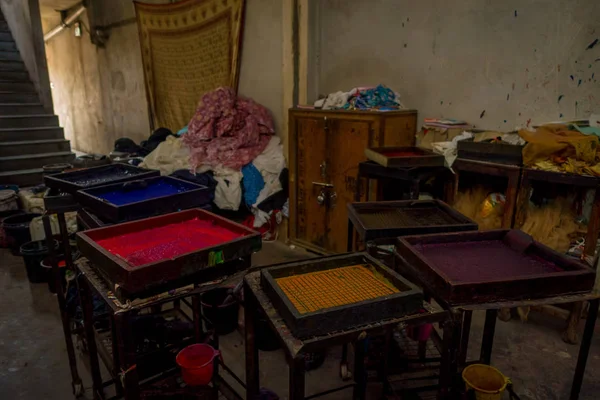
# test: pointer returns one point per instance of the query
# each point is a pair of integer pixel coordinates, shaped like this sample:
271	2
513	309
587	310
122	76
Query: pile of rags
227	130
557	148
362	98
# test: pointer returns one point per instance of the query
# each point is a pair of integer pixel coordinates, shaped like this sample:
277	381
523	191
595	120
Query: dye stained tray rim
113	212
427	158
138	278
463	223
446	289
57	181
302	324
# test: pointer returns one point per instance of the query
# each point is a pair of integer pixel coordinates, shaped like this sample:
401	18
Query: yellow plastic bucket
487	382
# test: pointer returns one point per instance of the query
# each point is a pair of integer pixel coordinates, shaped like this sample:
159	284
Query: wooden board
404	157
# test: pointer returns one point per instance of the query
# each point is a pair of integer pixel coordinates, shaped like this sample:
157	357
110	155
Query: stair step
4	25
21	87
16	66
11	135
18	97
6	37
19	76
21	109
34	147
32	161
23	178
28	121
10	56
8	46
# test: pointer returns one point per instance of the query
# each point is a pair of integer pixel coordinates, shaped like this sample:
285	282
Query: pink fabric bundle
227	130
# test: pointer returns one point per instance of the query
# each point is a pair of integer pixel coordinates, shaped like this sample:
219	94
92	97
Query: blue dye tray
143	198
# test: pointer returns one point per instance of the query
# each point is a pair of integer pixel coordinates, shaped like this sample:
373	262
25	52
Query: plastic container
487	382
33	254
222	316
51	169
17	230
46	265
197	364
3	215
8	200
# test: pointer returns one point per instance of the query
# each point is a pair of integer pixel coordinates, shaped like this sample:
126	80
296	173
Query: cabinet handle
323	184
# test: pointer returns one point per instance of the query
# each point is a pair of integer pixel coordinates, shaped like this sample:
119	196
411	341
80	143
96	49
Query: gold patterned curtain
188	48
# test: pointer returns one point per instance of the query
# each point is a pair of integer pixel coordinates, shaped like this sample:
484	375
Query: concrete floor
34	365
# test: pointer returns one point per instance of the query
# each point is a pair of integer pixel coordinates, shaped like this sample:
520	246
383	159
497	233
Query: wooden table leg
464	340
360	374
297	378
570	334
448	365
252	365
87	307
489	329
584	349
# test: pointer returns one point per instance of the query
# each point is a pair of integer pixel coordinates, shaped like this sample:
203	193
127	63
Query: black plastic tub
46	265
223	316
33	253
17	230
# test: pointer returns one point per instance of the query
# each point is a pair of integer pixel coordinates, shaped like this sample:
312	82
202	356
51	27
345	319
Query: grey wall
511	58
99	93
23	18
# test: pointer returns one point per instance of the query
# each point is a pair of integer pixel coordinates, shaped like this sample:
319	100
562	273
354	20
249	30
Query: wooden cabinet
325	149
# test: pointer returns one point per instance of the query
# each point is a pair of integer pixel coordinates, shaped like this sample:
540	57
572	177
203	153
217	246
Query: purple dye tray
143	198
491	266
71	182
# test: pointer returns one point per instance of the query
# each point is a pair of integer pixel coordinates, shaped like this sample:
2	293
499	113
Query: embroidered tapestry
188	48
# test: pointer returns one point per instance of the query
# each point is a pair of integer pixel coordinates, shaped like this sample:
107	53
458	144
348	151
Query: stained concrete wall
515	60
23	18
99	93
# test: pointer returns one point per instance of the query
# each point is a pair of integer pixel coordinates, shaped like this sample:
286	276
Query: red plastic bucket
196	362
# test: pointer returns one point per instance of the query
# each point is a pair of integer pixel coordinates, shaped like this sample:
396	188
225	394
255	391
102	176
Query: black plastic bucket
224	317
33	253
46	265
17	230
3	215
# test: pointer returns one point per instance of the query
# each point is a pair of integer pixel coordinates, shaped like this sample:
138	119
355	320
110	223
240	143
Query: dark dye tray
491	152
490	266
88	220
147	253
56	201
71	182
382	219
318	305
143	198
402	157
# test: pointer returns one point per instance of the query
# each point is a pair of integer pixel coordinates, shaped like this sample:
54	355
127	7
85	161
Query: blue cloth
253	183
380	97
182	131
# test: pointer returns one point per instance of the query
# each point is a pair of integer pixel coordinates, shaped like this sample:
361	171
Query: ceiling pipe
64	23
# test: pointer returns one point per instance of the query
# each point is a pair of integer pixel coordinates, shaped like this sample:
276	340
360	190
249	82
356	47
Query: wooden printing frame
425	158
135	279
576	277
204	8
408	300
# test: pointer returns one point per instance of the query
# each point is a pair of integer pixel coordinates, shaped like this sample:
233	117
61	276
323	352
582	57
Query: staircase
29	137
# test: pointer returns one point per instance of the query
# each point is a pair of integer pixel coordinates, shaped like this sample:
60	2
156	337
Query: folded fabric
228	193
227	130
253	183
168	157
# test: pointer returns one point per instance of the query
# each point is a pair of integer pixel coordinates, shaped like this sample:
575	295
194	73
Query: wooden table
257	303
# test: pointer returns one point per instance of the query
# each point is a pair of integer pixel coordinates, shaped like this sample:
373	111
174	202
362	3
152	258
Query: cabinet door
307	155
346	143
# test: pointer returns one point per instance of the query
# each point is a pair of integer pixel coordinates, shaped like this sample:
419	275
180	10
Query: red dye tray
403	157
500	265
146	253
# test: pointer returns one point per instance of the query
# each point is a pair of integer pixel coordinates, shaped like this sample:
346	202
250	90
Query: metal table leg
488	336
360	374
87	307
464	340
76	382
126	348
252	365
448	365
297	378
584	349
